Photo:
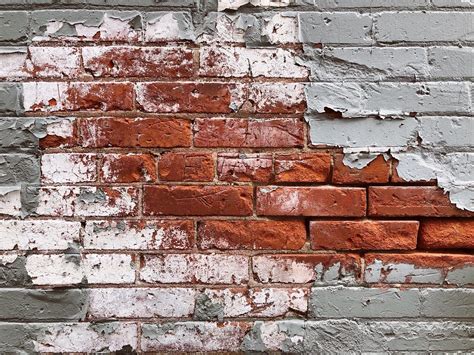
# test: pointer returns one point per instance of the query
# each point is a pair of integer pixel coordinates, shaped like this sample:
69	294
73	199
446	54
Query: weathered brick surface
246	176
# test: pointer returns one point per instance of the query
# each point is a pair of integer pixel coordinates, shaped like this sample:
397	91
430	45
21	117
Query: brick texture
228	176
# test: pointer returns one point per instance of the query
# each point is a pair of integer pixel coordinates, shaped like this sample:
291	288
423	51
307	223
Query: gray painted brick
388	99
366	63
447	131
347	336
335	27
21	132
13	25
451	62
342	302
335	4
11	100
23	304
134	3
18	168
457	303
359	302
424	26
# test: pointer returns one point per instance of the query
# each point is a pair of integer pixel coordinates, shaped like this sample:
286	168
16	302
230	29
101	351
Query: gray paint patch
11	99
13	25
18	168
348	336
24	304
14	273
206	310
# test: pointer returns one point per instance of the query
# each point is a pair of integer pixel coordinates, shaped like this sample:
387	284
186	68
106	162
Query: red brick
377	171
244	167
364	235
306	167
135	132
253	235
128	168
399	201
311	201
125	62
304	268
190	97
447	234
186	166
197	200
244	133
78	96
277	98
60	133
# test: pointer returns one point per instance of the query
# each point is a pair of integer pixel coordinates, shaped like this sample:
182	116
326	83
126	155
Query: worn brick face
236	176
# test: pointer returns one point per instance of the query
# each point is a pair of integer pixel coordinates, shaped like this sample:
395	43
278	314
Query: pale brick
195	268
55	269
53	62
13	61
10	200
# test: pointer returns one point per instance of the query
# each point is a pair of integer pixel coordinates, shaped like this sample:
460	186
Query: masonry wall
289	175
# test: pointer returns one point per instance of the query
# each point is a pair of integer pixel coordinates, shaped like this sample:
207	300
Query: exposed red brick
377	171
198	200
128	168
311	201
186	166
289	235
305	167
447	234
135	132
99	96
190	97
125	62
244	133
244	167
364	235
399	201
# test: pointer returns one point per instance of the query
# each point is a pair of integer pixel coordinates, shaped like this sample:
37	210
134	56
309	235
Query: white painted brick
336	4
239	62
199	268
68	168
53	62
321	269
87	201
223	27
281	28
86	337
141	302
40	235
193	336
453	3
168	26
109	268
388	99
10	200
13	61
146	235
335	27
55	269
428	26
265	302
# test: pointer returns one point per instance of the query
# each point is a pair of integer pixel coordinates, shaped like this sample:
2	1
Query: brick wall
240	175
